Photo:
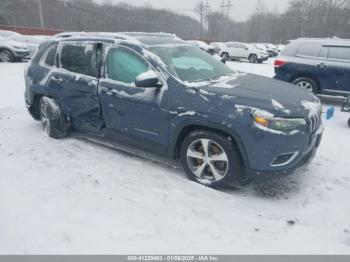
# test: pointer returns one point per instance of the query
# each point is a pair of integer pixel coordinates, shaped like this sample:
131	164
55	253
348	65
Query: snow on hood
12	43
280	98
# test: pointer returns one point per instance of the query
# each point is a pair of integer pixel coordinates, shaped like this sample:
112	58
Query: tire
225	56
199	164
306	83
253	59
6	56
52	118
349	122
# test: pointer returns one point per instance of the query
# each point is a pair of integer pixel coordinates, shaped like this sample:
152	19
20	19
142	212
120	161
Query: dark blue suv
319	65
158	93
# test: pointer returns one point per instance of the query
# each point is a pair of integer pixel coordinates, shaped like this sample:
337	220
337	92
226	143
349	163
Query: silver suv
11	51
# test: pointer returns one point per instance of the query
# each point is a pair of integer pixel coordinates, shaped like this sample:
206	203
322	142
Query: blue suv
158	93
318	65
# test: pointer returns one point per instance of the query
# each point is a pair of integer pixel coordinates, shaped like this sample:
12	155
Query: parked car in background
158	93
238	51
207	48
217	46
260	47
280	48
32	42
203	45
269	48
11	51
272	49
318	65
5	33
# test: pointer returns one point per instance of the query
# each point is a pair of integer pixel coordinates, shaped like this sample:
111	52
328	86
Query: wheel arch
307	75
182	132
8	50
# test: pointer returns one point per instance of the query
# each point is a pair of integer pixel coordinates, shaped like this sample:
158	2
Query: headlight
267	120
18	47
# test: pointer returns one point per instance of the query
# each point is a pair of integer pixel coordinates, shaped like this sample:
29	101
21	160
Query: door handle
107	91
321	65
181	110
58	79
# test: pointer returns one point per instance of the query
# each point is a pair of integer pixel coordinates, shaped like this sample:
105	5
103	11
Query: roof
326	41
149	39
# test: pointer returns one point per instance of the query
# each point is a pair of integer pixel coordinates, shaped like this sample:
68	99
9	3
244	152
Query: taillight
279	63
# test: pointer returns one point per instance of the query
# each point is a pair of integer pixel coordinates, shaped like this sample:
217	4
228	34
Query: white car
203	45
32	42
11	51
5	33
280	48
217	46
207	48
239	51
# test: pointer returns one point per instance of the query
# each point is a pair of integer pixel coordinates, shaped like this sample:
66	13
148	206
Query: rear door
74	83
233	50
135	114
311	60
338	68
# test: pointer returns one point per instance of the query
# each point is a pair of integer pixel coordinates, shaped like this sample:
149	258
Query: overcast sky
240	11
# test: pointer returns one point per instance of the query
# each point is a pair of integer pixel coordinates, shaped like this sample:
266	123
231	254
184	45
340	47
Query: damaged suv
158	93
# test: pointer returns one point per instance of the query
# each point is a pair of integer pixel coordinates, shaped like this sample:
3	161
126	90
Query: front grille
314	122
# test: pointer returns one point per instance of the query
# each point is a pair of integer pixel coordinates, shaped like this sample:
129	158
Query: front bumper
304	158
21	54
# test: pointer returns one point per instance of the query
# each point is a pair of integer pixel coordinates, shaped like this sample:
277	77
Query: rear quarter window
50	56
339	53
309	49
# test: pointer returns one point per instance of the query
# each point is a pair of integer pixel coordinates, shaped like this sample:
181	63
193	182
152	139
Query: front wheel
52	118
211	159
6	56
306	83
253	59
225	57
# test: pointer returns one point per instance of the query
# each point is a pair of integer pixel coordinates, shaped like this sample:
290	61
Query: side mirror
148	79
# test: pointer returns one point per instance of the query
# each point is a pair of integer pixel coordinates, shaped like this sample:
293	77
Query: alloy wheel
43	117
5	56
207	160
306	85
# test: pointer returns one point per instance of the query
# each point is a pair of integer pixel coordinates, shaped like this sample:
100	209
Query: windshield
190	64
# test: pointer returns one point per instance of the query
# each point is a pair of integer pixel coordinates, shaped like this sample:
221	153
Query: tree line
303	18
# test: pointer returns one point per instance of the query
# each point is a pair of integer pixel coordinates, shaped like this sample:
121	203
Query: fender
172	149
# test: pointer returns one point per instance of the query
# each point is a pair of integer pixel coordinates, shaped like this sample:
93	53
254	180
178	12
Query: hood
12	43
279	98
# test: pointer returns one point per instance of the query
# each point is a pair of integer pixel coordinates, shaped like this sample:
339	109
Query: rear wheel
6	56
306	83
211	159
52	118
253	59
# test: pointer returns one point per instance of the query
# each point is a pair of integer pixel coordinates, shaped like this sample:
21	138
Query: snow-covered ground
76	197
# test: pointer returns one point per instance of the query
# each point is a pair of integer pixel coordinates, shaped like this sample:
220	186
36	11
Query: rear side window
339	53
309	49
124	66
79	58
50	56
